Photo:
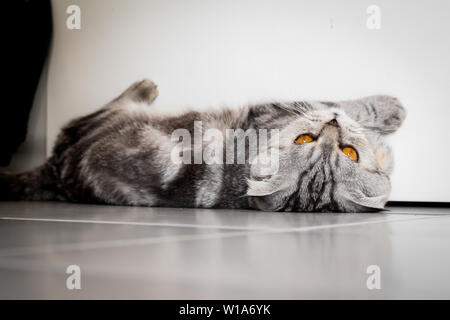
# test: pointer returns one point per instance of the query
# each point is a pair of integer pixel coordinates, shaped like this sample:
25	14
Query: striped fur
121	155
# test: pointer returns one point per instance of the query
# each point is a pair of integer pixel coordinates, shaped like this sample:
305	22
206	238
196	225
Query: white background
214	52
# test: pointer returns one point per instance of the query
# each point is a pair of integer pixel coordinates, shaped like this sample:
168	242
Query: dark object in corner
418	204
28	26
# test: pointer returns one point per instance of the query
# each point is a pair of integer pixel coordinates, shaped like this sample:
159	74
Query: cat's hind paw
141	91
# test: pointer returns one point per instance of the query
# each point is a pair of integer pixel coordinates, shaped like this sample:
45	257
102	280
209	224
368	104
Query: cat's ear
266	186
384	158
356	201
270	194
265	176
267	203
368	204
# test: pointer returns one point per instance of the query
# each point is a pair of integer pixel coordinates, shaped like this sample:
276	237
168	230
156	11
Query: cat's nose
333	123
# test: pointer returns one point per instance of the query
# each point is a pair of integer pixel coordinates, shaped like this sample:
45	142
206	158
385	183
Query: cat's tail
39	184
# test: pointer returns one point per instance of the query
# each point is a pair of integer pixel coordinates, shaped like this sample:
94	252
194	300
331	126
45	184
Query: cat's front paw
388	112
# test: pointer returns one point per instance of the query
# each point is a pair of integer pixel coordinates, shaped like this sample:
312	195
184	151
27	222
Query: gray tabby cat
332	157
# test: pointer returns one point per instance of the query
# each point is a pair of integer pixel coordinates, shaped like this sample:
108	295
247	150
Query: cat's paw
146	91
388	113
141	91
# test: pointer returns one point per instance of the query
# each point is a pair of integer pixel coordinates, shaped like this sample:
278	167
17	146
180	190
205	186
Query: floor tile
208	254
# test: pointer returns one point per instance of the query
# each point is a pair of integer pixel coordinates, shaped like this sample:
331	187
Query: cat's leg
381	113
144	91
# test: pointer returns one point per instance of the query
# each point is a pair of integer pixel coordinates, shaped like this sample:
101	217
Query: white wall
214	52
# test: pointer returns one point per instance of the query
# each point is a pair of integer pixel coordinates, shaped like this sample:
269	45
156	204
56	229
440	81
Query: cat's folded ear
266	186
265	177
269	193
367	204
383	156
356	201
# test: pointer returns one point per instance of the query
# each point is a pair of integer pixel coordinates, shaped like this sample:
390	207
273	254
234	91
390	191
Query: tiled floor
160	253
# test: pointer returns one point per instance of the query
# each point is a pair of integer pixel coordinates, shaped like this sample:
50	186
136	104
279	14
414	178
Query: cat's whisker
289	110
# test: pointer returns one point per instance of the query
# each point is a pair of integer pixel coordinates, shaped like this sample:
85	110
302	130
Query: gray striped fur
121	155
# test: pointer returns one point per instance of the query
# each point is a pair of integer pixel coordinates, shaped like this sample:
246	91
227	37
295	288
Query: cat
331	157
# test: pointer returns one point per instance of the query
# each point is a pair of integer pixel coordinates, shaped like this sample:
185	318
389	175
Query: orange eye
304	138
351	153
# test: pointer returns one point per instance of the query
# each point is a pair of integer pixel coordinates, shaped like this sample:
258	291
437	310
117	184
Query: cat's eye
350	153
304	138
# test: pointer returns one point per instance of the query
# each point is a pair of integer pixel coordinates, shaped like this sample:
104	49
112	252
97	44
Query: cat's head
327	162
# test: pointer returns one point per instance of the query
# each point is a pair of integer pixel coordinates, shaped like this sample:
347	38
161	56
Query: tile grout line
117	243
171	239
352	224
132	223
418	213
176	225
